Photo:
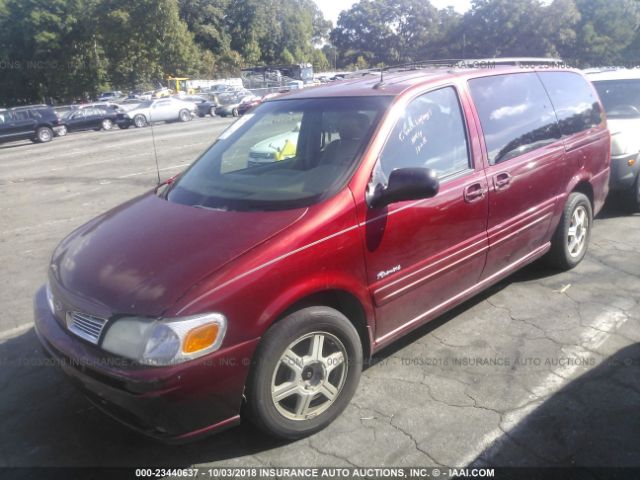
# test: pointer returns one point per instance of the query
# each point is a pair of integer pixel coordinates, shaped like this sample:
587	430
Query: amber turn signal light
631	162
200	338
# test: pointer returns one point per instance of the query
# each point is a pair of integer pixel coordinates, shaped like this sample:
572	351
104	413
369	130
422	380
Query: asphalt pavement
541	370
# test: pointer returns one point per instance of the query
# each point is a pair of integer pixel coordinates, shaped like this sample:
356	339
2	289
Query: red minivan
262	288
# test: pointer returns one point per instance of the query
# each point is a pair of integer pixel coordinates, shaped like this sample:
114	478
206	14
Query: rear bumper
176	403
624	175
125	121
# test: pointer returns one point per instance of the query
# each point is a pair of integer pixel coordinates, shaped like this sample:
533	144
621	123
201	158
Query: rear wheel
184	116
235	112
44	134
61	131
139	121
306	371
107	124
212	111
571	239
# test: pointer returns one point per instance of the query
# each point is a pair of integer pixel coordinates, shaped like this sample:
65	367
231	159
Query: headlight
624	142
52	306
166	341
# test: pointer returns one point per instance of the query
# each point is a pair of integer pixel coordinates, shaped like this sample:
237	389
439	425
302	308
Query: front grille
265	155
86	326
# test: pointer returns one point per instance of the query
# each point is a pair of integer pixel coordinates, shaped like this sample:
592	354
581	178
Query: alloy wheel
578	229
309	376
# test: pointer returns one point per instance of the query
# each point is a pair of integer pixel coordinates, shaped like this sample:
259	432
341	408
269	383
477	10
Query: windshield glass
285	154
621	98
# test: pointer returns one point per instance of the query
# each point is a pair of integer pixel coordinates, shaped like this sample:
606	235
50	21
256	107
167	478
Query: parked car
274	149
248	103
110	96
620	93
263	290
161	110
37	123
205	103
230	105
89	118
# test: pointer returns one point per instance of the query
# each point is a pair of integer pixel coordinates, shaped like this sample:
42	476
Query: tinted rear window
574	101
515	113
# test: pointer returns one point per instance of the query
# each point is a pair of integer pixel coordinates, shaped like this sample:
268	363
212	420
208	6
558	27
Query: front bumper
624	175
174	403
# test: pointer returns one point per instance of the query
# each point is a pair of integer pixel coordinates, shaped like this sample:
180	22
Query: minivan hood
142	256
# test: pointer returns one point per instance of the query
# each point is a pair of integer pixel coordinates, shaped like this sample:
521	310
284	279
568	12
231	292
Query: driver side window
430	134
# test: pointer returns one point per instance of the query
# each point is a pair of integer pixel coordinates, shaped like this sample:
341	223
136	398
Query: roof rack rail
458	63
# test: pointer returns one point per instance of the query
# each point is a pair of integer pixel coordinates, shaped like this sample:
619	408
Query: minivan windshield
284	154
621	98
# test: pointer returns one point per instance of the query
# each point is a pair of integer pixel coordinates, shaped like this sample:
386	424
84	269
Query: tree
504	28
144	42
388	31
606	29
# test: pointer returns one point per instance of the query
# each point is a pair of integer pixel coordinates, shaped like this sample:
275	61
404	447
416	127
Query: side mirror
405	184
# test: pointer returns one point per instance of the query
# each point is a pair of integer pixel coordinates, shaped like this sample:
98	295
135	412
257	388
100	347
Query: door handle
474	192
502	181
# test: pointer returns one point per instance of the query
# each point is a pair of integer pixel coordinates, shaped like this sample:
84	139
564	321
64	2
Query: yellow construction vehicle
179	85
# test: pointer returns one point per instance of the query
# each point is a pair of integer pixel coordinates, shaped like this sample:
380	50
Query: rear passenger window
21	115
573	99
515	113
430	134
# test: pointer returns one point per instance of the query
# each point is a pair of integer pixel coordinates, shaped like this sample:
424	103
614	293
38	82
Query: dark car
89	118
262	290
230	104
206	103
37	123
247	105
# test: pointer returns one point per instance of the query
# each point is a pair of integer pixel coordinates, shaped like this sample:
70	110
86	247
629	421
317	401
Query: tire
184	116
44	135
297	415
61	131
107	124
235	112
571	239
140	121
212	111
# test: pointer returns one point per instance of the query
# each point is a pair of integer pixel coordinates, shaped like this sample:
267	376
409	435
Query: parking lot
542	369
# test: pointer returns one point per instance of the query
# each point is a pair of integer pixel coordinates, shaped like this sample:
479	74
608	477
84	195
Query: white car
161	110
274	149
619	90
110	96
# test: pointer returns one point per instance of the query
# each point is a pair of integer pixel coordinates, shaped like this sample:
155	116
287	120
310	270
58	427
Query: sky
332	8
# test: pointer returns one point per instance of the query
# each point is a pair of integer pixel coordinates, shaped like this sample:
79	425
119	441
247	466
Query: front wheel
107	124
212	111
139	121
184	116
305	372
235	112
61	131
571	239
